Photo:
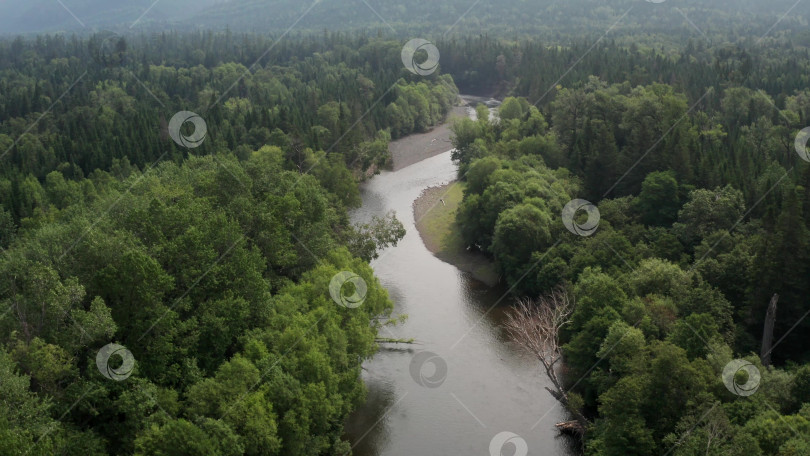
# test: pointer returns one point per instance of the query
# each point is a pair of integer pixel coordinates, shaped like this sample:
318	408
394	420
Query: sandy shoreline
427	201
417	147
435	222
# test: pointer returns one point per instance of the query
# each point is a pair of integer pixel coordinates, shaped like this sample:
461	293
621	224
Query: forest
675	280
211	263
642	21
646	195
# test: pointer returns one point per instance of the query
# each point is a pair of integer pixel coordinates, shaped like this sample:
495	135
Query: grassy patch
435	213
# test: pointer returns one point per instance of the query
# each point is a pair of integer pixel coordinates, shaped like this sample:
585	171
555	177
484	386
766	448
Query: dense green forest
210	265
337	106
702	210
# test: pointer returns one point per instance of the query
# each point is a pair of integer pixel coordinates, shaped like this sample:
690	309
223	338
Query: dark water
489	386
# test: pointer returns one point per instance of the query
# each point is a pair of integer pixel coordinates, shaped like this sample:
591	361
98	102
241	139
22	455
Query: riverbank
418	146
435	215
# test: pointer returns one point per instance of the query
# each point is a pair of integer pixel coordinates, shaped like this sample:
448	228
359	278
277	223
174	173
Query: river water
472	384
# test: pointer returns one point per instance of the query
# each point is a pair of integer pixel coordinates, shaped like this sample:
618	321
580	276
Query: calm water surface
490	385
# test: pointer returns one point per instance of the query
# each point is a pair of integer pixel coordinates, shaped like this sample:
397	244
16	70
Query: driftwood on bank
388	340
573	427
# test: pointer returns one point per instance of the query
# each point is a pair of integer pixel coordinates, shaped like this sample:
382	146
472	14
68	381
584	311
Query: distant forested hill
26	16
725	20
548	17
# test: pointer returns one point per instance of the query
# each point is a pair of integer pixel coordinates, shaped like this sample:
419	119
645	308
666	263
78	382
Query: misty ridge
725	20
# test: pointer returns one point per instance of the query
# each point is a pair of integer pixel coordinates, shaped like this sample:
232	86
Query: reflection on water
490	385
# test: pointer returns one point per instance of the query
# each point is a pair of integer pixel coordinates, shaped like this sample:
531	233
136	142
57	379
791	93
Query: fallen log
385	340
573	427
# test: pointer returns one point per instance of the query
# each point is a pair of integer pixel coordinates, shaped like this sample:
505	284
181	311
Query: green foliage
708	211
181	437
330	105
512	108
801	385
526	222
674	277
658	202
622	429
369	238
213	267
26	422
207	276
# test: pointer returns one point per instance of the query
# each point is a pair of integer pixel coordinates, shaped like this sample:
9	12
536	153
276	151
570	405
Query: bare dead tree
535	325
716	432
767	332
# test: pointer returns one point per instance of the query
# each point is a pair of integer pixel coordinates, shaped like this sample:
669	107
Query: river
473	383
